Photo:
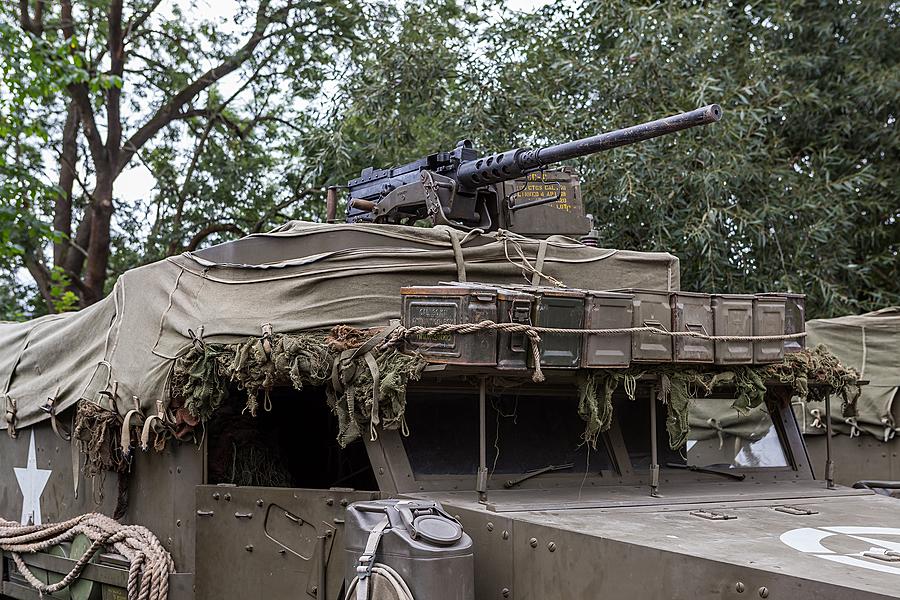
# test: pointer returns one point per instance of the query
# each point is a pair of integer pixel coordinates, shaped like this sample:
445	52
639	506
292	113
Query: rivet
330	501
216	496
259	502
178	469
314	589
227	497
551	546
381	470
178	523
490	526
763	592
249	547
505	535
533	542
505	592
344	502
328	533
739	587
282	552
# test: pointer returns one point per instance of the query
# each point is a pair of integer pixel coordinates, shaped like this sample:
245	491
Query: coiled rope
150	563
382	573
533	332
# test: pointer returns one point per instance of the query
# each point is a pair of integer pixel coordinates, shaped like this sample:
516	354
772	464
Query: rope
401	333
149	561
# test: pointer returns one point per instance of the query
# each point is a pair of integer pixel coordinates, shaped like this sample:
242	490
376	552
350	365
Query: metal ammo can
423	544
768	319
733	315
652	308
794	318
428	306
512	348
560	308
607	310
692	311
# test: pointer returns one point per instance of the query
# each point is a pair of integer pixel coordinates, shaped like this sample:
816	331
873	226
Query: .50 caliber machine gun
463	189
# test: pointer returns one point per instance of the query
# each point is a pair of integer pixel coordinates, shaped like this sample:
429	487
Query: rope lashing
150	563
533	332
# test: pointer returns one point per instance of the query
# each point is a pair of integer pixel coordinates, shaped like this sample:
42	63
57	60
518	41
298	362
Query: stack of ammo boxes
730	315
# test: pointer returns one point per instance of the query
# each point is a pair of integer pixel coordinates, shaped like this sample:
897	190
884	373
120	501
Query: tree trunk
98	248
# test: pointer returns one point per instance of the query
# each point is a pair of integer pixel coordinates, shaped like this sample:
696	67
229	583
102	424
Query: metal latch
712	516
795	510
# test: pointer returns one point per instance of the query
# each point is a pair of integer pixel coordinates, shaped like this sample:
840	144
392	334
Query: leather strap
539	263
367	560
125	440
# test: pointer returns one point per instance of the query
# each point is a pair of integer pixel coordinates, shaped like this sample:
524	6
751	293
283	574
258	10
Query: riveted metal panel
257	542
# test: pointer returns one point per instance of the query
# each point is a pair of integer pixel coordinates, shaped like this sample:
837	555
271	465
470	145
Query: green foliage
797	188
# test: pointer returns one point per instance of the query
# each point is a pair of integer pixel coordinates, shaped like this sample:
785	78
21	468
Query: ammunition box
733	315
607	310
693	312
562	308
428	306
768	319
652	308
794	318
512	348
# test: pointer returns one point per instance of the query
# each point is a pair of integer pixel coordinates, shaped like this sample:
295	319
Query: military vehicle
376	410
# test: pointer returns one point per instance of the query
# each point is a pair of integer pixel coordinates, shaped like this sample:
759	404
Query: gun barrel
504	166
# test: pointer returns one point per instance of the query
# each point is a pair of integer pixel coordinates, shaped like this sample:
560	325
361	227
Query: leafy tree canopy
797	188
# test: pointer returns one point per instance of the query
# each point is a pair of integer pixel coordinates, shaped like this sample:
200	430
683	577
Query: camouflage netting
202	377
679	385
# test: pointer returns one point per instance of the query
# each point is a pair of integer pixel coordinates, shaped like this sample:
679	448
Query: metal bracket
712	516
795	510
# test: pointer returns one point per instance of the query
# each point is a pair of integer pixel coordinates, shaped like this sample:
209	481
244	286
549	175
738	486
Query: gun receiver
463	190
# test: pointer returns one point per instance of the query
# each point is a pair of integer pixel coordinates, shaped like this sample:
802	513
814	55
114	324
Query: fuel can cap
437	530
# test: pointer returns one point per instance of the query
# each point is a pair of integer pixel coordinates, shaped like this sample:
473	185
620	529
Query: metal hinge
712	516
795	510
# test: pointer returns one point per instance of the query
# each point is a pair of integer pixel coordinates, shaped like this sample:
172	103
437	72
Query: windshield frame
393	470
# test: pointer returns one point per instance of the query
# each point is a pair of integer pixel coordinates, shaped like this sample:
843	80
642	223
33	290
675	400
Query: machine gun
465	190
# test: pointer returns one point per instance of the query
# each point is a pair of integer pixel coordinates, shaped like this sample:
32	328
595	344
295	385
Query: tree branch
169	111
114	93
208	231
35	25
42	278
137	21
62	209
281	206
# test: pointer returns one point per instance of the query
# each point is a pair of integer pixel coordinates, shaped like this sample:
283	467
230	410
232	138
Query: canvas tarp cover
300	277
869	343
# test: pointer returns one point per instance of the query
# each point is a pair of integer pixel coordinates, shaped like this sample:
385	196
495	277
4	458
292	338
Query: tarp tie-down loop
344	372
197	338
720	431
817	419
11	416
854	429
125	441
160	427
50	408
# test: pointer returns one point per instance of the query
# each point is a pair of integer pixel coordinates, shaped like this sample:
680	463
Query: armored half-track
375	410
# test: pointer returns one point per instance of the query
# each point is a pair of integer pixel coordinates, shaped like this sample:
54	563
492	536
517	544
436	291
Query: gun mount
463	189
